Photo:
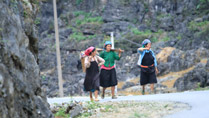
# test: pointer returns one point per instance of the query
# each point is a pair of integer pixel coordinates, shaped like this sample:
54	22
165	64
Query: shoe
92	99
114	97
143	92
103	96
152	92
96	100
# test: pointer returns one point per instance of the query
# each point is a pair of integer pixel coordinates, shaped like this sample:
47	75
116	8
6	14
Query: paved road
198	100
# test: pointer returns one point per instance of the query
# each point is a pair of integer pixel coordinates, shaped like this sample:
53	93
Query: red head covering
89	50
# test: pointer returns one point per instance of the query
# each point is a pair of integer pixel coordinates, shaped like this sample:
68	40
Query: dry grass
204	60
120	85
170	83
175	76
135	80
50	71
163	55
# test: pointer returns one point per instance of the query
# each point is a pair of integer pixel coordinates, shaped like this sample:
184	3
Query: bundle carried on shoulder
82	57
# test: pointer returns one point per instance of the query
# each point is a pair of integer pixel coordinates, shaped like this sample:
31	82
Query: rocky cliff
21	95
177	28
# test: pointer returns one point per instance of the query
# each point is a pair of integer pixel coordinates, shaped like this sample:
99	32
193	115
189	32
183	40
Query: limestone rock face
21	95
178	30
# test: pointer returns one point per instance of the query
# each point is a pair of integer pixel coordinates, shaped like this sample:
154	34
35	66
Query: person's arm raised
142	49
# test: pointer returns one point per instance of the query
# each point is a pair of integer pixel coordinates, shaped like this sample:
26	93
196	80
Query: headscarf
89	50
107	43
145	42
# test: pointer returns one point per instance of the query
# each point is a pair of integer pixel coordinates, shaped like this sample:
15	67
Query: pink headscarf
89	50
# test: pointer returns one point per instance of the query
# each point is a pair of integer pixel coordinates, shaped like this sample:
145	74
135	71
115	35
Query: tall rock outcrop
21	95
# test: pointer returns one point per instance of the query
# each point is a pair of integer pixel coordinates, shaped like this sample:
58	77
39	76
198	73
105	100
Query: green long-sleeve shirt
109	58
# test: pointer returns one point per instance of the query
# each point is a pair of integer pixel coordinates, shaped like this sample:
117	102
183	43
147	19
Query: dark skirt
108	78
91	82
148	76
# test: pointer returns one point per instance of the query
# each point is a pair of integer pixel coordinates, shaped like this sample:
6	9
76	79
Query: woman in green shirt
108	74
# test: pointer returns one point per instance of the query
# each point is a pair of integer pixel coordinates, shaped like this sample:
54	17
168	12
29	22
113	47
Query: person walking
148	64
92	63
108	73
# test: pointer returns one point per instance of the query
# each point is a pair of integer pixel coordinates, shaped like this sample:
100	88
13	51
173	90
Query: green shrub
88	18
135	31
198	26
78	13
179	37
166	38
78	2
203	4
77	36
61	113
37	21
201	29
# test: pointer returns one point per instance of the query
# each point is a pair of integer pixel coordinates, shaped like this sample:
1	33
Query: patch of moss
61	113
139	36
78	36
198	26
78	2
81	17
200	29
203	4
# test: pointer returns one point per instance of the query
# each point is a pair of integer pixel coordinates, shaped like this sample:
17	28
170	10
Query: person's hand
99	65
156	71
90	57
119	50
147	48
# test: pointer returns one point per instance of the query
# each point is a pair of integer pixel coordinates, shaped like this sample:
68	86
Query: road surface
198	100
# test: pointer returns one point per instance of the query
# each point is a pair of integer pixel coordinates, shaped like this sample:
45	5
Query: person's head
146	43
94	52
108	45
91	51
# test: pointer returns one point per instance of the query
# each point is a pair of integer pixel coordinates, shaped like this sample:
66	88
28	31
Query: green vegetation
78	36
88	20
125	2
51	26
134	21
201	29
138	115
93	105
203	4
36	2
82	20
61	113
179	37
135	31
82	17
25	14
166	38
163	16
78	2
25	2
43	77
108	108
199	88
37	21
78	13
90	106
138	36
3	41
198	26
